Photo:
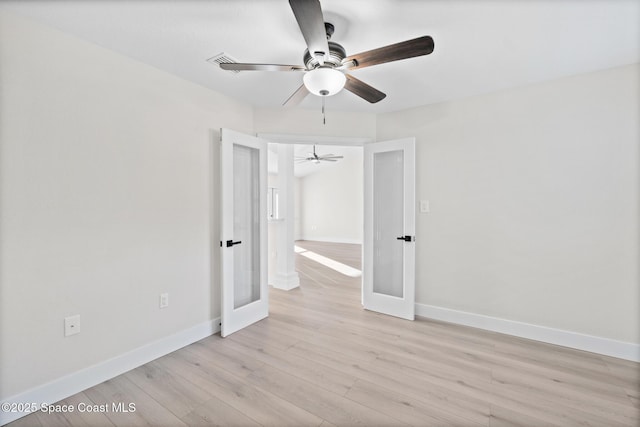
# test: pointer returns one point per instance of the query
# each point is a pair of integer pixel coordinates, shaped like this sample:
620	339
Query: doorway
325	197
388	178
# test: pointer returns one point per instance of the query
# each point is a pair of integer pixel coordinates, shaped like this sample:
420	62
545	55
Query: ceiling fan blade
394	52
363	90
260	67
308	13
327	160
331	157
297	97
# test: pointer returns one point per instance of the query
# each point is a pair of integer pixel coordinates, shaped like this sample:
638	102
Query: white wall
106	197
534	203
309	122
331	201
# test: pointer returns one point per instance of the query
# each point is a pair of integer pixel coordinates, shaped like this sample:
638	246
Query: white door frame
318	140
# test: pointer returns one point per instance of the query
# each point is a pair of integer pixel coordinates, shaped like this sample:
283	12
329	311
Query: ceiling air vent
223	58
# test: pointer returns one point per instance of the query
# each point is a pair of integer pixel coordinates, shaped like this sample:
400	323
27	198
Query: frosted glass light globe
324	81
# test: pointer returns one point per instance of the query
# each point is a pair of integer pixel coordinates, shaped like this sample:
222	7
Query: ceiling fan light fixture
324	81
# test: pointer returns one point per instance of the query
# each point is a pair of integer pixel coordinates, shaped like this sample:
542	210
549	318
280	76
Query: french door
389	228
243	165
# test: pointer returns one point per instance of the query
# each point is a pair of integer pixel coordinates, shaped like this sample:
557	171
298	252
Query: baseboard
333	240
604	346
86	378
285	282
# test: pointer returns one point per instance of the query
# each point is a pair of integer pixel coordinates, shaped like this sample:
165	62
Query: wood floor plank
264	330
345	347
215	413
583	403
609	404
503	417
634	398
53	419
170	390
544	408
322	376
224	357
79	415
262	406
585	380
623	372
147	411
327	405
31	420
405	407
452	401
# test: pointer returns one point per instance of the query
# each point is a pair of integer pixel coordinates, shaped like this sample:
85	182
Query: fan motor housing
336	55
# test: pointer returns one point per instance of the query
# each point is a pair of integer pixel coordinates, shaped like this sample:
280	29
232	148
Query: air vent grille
223	58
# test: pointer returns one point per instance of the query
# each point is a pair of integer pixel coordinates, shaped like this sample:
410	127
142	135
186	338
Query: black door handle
231	243
405	238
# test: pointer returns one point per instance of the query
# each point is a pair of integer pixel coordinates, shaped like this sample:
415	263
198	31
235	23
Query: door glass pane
388	217
246	225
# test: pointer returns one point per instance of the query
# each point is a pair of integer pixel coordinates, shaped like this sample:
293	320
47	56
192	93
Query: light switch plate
164	300
424	206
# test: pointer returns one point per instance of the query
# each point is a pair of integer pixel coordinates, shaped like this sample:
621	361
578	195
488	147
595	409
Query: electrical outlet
71	325
164	300
424	206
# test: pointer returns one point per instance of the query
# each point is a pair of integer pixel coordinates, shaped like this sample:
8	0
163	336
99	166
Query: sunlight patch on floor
328	262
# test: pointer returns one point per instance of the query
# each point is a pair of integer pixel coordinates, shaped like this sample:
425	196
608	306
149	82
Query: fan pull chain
324	94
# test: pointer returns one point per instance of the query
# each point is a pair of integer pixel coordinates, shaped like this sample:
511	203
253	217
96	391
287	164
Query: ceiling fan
316	158
326	62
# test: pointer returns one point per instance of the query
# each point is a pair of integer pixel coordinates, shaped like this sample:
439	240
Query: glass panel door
389	228
243	228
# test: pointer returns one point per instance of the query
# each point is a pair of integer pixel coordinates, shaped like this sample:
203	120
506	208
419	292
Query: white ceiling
480	45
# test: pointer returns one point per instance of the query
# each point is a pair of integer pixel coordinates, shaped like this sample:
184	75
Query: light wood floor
320	360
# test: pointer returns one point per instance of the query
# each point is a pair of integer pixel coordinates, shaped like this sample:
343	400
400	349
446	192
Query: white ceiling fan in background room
326	62
317	158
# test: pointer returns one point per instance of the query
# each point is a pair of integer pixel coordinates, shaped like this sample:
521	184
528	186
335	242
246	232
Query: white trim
604	346
331	240
311	139
285	282
83	379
